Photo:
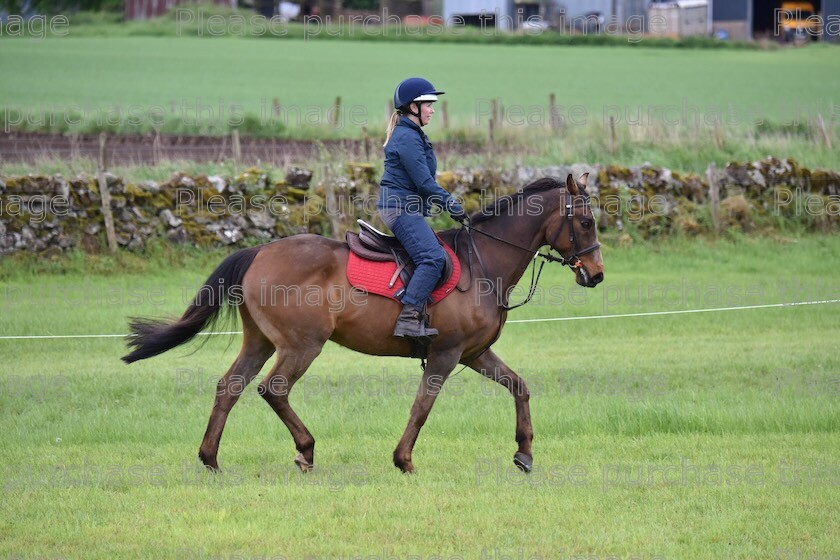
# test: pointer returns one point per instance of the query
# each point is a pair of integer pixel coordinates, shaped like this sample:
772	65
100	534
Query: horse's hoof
524	462
405	466
210	464
304	465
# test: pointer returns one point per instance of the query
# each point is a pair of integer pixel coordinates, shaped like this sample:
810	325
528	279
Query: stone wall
52	213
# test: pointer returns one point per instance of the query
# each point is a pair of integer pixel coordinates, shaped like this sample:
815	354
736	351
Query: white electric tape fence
513	321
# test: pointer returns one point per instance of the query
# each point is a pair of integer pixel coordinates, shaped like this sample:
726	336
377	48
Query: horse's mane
503	204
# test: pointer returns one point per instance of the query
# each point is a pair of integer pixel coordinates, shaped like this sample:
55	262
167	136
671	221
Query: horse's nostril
598	278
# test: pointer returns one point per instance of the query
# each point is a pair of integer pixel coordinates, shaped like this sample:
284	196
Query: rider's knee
438	259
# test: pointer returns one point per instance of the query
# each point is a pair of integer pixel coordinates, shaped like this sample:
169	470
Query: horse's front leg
491	366
438	368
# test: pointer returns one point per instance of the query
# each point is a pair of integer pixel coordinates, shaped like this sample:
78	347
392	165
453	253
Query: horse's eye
586	224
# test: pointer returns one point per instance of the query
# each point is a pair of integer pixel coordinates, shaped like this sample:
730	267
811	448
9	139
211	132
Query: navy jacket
408	182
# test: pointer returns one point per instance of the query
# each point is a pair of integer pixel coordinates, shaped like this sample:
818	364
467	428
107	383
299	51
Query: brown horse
495	251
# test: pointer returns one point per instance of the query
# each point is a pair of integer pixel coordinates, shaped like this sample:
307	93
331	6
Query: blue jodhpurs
424	249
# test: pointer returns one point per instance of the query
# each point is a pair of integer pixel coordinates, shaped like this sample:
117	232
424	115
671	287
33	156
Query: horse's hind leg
491	366
256	350
275	389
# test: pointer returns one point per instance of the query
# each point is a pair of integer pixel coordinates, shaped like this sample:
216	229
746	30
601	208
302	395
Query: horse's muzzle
587	281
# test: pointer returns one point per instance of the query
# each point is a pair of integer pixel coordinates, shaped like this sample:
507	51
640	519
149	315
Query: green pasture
589	82
681	108
700	435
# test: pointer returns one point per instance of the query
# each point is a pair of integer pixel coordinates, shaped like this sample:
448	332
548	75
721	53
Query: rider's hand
457	212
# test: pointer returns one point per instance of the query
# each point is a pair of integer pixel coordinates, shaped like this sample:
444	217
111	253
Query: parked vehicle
798	21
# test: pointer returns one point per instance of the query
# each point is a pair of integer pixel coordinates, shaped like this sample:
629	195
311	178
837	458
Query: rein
572	262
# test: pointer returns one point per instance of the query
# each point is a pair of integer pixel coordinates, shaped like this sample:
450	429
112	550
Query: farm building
738	19
683	18
501	14
510	14
147	9
622	10
755	19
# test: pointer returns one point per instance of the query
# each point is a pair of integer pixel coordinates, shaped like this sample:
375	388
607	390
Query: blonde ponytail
392	123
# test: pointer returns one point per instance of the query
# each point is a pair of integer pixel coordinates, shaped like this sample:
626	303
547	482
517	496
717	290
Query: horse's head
572	232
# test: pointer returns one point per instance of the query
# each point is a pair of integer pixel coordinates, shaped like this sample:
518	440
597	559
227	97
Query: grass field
709	435
590	82
664	101
680	436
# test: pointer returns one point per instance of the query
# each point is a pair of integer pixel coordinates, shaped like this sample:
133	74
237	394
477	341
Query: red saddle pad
373	277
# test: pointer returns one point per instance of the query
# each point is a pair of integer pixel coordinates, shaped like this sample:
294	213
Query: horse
494	250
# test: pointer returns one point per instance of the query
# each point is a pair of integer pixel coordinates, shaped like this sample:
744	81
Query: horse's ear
571	186
584	180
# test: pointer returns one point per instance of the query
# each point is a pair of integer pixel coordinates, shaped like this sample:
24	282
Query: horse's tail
222	290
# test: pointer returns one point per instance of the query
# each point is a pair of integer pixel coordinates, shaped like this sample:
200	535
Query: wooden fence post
714	196
444	109
222	150
75	153
336	111
236	148
366	142
718	134
156	152
105	194
613	137
332	205
823	131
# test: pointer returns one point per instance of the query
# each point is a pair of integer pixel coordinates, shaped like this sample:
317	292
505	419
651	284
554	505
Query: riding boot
410	324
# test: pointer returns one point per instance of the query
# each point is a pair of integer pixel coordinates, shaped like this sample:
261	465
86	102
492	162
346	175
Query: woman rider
408	191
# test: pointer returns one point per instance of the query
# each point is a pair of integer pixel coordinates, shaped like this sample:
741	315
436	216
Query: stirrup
413	324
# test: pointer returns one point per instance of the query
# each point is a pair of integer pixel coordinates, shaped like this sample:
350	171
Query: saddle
370	244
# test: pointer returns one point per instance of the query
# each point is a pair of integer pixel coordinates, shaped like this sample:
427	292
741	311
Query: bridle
572	262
